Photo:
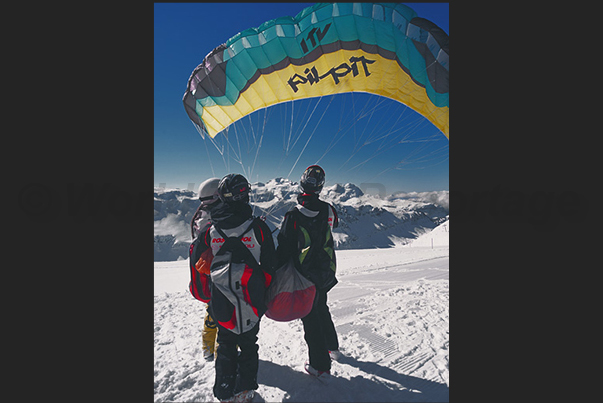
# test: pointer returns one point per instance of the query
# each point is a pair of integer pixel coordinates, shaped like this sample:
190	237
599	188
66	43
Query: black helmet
313	179
234	188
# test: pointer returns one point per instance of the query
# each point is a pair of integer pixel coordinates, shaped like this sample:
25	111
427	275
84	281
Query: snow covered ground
390	309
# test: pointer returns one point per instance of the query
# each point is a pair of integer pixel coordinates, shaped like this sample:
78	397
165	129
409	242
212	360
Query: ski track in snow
390	309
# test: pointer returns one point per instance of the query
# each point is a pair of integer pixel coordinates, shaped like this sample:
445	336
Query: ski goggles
313	181
208	200
236	197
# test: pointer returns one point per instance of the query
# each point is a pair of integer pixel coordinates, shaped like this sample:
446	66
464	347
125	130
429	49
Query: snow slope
439	236
390	309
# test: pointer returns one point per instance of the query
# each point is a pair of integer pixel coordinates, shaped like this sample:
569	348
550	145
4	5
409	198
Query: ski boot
323	375
242	397
335	355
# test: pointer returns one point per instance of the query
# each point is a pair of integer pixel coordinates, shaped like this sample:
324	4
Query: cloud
440	198
173	224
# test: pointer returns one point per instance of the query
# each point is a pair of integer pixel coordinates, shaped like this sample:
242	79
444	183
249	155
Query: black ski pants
236	371
320	333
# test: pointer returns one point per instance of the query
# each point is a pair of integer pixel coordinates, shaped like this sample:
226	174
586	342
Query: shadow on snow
387	385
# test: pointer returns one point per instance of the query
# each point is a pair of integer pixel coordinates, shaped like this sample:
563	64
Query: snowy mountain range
365	221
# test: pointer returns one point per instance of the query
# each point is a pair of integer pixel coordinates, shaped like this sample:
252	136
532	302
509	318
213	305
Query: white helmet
208	191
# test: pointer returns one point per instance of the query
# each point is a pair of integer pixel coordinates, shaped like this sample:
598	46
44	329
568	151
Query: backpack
290	295
238	283
316	257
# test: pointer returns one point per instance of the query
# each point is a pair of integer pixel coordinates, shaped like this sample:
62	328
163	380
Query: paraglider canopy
329	48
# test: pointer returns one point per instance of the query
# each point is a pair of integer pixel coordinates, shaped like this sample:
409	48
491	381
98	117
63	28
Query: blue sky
367	151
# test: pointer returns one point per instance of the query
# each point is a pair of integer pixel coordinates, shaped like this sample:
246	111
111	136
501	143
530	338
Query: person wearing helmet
232	219
305	236
208	195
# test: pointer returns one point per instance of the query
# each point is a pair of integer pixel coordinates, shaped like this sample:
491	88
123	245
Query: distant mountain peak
366	221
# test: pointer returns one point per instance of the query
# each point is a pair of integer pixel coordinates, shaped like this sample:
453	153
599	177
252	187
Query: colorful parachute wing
379	48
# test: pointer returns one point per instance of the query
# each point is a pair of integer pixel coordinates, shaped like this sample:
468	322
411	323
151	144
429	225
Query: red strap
206	234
